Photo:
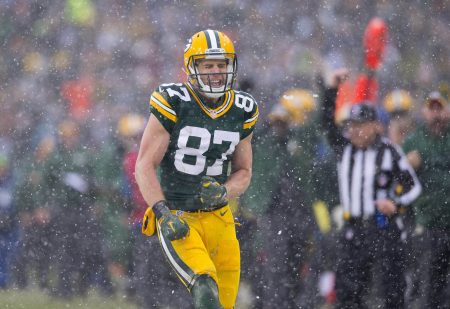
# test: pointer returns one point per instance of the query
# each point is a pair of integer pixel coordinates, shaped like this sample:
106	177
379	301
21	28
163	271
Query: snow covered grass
33	298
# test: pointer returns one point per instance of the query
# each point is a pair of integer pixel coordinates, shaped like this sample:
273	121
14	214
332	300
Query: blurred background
101	59
77	67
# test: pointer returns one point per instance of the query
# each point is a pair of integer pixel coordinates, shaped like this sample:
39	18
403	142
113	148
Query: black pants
439	268
361	245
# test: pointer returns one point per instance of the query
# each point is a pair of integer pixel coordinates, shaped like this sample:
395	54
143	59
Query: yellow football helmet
210	44
398	100
299	103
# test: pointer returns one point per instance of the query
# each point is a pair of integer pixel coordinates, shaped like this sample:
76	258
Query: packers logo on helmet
210	44
398	101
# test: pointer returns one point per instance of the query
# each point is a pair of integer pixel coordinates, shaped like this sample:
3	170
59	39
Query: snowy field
34	299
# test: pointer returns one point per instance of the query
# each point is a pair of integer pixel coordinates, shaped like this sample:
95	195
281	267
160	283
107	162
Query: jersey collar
218	111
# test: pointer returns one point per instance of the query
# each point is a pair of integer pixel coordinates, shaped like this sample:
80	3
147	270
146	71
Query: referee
375	180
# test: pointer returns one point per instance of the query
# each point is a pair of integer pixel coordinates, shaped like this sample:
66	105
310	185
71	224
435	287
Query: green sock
205	293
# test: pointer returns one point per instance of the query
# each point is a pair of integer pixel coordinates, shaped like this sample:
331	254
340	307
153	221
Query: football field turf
35	299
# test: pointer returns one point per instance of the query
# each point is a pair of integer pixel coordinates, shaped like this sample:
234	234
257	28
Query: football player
199	136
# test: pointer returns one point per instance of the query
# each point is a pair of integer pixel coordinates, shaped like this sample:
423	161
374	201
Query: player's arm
153	147
241	172
407	178
329	96
154	143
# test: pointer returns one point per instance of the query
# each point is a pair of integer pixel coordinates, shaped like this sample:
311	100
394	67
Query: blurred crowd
75	80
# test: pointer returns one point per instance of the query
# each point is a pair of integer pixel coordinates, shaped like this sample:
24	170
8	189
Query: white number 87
205	140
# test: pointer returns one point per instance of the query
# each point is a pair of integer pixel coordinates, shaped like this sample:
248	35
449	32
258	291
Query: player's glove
172	227
212	193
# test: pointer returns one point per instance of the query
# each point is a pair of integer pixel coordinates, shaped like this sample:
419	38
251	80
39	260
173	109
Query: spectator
38	236
427	150
280	194
109	205
81	255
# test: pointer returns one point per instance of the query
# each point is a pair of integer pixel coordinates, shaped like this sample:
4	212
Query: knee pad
205	293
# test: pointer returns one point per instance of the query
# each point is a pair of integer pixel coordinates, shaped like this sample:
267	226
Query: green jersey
202	139
433	206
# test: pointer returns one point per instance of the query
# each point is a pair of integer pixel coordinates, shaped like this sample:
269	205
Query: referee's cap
363	112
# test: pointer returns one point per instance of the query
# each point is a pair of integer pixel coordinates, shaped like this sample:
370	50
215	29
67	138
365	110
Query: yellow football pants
210	248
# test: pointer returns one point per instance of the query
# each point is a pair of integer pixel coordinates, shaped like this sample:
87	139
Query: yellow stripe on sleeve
163	111
252	121
250	124
161	99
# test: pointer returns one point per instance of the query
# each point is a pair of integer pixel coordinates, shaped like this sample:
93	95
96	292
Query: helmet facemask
203	82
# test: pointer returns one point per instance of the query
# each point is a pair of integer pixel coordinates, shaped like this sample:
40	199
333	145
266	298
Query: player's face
362	134
215	69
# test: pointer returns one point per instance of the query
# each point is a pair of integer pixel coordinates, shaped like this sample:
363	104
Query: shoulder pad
167	98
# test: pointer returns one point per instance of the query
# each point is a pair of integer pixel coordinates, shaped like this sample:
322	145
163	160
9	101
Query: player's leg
223	247
192	264
205	293
229	276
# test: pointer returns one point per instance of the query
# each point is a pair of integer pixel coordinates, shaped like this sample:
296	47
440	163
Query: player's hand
414	159
172	227
212	193
386	206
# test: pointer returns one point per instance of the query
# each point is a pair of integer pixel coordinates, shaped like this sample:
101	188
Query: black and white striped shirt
378	172
365	175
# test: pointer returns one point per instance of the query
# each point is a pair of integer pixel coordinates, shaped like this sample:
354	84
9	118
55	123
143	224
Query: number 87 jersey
202	139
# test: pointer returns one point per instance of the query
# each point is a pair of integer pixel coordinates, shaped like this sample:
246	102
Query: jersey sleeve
163	109
409	187
250	119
